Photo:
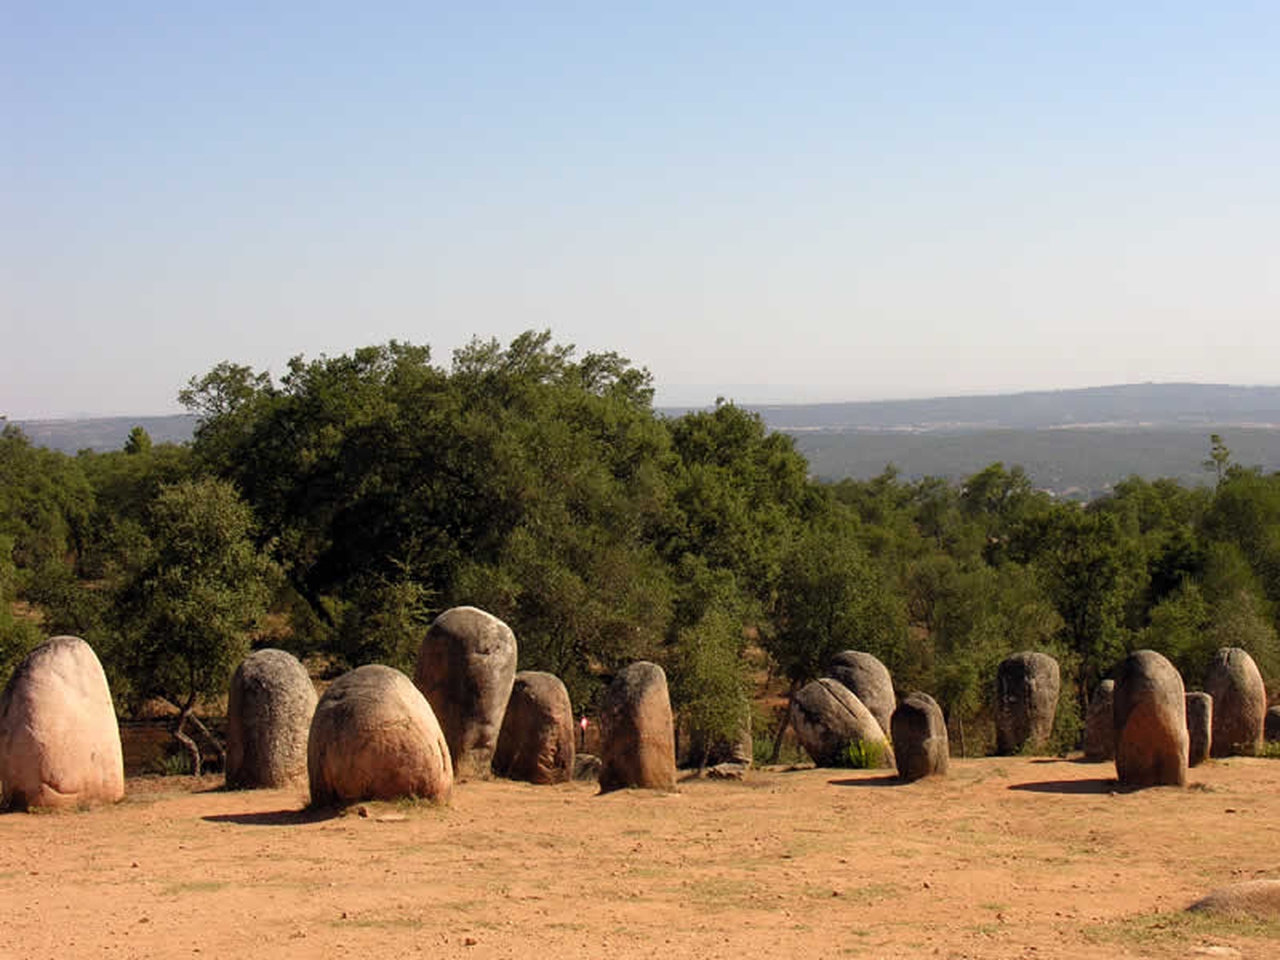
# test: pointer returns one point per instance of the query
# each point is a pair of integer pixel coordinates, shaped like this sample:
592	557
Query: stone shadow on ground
886	780
1093	785
275	818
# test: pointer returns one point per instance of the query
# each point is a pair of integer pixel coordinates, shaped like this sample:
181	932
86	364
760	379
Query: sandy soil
1006	858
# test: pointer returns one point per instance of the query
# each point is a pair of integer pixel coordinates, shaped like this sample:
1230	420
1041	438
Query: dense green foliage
359	495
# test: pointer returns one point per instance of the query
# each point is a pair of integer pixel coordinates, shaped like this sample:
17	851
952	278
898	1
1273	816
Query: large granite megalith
1027	687
59	739
466	667
637	734
1151	722
374	737
269	708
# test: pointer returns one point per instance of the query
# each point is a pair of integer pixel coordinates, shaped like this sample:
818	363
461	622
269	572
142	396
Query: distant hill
1077	443
101	434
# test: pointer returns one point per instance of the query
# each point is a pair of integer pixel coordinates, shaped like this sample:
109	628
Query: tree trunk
786	721
180	735
212	741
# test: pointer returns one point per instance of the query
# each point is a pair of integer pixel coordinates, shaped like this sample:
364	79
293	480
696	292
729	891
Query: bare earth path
1006	858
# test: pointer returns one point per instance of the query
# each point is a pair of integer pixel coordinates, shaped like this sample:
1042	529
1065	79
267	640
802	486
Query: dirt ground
1005	858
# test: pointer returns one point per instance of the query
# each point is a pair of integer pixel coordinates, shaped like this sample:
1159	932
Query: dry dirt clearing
1006	858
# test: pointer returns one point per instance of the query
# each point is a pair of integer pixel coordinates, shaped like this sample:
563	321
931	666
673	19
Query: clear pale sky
772	201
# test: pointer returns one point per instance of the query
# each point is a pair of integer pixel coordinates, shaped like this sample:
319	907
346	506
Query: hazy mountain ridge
1075	442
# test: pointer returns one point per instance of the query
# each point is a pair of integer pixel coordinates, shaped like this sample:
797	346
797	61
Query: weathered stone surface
1027	686
867	679
269	709
1254	899
59	739
1099	725
586	766
728	771
920	743
828	718
1199	727
375	737
1239	703
466	667
536	742
1151	722
1271	725
637	735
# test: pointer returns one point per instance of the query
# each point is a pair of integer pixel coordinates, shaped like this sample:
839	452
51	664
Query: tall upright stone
269	707
1239	703
1151	722
59	739
638	747
867	679
920	745
466	668
1099	725
1199	727
1027	686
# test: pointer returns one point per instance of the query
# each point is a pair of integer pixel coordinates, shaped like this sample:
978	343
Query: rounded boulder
1151	722
829	720
269	708
375	737
1027	686
59	739
1099	724
920	744
1239	703
466	668
536	742
638	747
1199	727
867	679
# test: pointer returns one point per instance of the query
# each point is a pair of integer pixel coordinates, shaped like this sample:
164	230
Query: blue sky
807	201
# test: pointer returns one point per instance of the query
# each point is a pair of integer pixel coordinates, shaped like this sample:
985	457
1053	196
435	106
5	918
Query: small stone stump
1271	725
269	708
920	744
638	747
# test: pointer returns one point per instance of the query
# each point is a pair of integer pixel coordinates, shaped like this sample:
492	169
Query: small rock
470	942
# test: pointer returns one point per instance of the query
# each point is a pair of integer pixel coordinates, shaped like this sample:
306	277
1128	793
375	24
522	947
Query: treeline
336	511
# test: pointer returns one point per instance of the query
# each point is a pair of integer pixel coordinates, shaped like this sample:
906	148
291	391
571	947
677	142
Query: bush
864	755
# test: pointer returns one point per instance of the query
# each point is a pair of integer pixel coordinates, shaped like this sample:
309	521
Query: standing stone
466	667
920	738
1099	725
829	719
59	739
1239	703
1151	722
867	679
536	742
638	743
1199	727
269	710
1271	725
374	737
1027	687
